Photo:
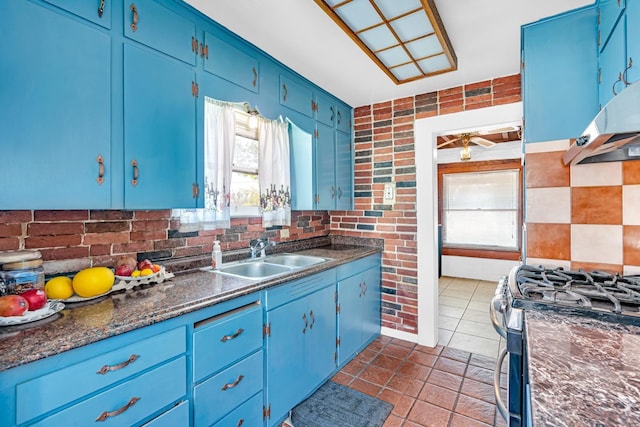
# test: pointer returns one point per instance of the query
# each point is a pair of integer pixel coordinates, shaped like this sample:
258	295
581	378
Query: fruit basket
128	282
51	308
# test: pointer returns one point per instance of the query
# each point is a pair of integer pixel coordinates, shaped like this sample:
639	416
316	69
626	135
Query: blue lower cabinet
249	414
174	417
216	397
128	403
301	342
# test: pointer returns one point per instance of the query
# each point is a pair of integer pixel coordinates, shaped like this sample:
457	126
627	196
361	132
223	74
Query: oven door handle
497	306
502	408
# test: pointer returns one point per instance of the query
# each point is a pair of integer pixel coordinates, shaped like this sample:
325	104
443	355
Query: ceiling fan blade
498	130
447	141
481	141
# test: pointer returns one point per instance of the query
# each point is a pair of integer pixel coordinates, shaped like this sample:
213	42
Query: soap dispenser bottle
216	255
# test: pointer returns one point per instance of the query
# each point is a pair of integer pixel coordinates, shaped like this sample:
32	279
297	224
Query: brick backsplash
384	152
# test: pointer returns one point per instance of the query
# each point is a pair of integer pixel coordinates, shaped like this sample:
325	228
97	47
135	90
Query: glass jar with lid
20	271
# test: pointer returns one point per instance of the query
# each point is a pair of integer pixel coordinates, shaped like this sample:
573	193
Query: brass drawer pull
255	76
100	177
313	319
103	416
134	12
136	172
331	109
233	384
339	117
339	192
240	422
101	9
284	89
233	336
107	368
624	73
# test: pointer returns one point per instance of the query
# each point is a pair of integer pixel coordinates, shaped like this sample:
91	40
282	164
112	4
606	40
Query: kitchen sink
294	260
271	266
254	269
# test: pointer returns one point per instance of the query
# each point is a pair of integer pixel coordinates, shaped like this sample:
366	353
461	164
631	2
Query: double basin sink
270	266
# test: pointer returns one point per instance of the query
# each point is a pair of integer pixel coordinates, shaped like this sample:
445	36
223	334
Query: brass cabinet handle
306	323
339	117
109	368
284	88
136	172
134	18
101	9
233	384
613	88
331	109
313	319
103	416
366	288
339	192
233	336
240	422
333	192
255	76
100	177
361	290
624	73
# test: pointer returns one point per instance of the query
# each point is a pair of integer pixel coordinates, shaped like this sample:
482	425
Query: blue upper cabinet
55	110
325	156
632	71
98	12
344	171
611	64
325	109
148	22
559	84
609	14
159	131
343	118
296	95
232	63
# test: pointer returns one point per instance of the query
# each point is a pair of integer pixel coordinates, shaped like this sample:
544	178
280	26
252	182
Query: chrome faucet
259	245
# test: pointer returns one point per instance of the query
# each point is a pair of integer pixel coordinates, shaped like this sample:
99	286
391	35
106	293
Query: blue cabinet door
350	317
55	104
325	159
371	318
98	12
296	95
150	23
159	131
612	64
560	92
320	337
285	361
344	171
302	168
233	63
633	41
325	109
610	11
343	118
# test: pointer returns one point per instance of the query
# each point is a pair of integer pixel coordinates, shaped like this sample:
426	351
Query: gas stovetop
595	292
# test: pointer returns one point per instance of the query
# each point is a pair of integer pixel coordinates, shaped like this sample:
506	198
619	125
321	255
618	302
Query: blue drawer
282	294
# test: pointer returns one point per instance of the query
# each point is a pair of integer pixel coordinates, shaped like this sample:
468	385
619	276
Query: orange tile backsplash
597	208
546	170
596	205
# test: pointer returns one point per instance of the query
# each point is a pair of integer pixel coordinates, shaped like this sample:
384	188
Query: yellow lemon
59	288
146	272
93	281
136	273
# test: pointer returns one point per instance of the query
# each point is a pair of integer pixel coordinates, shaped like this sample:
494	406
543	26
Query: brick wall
72	240
385	152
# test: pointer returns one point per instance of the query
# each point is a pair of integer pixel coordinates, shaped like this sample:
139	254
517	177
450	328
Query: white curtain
219	138
274	173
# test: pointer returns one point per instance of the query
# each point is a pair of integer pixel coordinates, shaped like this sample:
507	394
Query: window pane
481	209
245	153
245	191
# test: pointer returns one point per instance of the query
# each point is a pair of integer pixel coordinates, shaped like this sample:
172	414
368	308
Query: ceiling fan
473	137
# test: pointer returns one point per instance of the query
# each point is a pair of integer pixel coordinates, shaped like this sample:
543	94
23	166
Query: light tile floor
463	316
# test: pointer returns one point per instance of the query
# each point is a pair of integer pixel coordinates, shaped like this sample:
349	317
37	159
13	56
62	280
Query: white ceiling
485	36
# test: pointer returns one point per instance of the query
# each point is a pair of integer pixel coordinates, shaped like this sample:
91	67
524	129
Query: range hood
613	135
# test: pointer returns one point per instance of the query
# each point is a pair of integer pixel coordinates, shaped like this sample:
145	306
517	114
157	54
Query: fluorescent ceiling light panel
406	39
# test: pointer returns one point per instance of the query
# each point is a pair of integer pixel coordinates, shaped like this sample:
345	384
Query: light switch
389	192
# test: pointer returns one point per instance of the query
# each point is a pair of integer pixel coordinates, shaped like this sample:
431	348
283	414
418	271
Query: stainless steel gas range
595	294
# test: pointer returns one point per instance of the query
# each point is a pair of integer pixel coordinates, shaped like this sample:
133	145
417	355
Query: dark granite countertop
122	311
582	371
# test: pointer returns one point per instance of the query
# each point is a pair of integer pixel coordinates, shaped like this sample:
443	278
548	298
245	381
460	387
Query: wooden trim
489	165
482	253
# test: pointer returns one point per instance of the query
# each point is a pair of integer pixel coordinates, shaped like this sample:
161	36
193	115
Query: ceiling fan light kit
406	39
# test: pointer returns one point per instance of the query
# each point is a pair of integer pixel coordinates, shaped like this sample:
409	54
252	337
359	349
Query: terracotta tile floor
437	387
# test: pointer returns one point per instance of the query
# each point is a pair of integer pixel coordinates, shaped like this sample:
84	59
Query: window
245	189
481	209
